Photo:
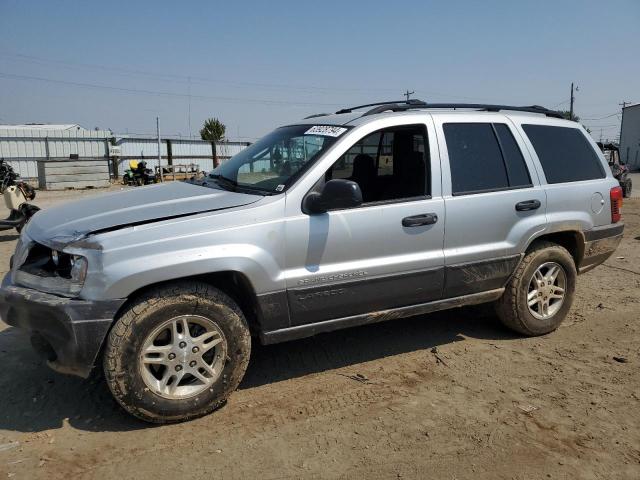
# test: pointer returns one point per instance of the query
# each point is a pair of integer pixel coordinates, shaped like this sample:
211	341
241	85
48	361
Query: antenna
407	94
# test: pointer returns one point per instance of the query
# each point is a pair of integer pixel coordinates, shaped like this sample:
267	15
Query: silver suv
374	213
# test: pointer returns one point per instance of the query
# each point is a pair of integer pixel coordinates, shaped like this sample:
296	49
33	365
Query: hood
75	220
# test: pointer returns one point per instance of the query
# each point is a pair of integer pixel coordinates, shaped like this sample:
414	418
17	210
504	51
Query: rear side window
565	153
484	157
513	160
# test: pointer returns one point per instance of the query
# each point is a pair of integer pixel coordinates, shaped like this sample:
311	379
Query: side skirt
302	331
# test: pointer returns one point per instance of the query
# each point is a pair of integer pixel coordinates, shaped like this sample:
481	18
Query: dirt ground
451	395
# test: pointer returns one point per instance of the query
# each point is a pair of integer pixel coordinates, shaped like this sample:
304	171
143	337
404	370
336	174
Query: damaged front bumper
67	332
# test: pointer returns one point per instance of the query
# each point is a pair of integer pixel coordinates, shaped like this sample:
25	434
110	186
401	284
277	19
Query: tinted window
388	164
516	168
565	153
474	157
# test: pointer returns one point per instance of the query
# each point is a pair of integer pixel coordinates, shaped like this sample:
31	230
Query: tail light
616	204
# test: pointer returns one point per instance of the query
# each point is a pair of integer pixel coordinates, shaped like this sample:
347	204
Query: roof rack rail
413	102
497	108
315	115
395	107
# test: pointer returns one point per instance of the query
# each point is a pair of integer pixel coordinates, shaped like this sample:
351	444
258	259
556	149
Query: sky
257	65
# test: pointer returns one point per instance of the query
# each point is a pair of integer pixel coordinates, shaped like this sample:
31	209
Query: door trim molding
308	330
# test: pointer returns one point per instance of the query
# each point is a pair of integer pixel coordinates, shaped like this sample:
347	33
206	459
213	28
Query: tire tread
507	305
187	292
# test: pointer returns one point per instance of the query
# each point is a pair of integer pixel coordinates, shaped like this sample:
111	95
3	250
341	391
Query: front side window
276	160
389	164
484	157
565	153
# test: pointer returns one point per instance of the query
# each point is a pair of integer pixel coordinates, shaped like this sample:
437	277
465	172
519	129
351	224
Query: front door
386	253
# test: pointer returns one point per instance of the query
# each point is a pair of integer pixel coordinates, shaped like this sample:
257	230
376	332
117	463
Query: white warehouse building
630	136
28	148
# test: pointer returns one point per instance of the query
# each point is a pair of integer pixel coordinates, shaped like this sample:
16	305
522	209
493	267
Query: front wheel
540	293
177	353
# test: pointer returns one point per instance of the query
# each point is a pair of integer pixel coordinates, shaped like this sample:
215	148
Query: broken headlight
52	271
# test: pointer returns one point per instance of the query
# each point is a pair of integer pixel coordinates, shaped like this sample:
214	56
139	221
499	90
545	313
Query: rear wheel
540	293
626	189
177	353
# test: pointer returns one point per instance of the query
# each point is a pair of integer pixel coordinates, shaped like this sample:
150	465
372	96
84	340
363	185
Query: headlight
78	269
52	271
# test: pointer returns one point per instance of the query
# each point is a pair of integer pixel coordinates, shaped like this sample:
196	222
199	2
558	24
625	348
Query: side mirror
335	194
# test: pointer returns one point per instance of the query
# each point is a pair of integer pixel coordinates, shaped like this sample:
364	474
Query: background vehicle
16	197
138	174
619	169
375	213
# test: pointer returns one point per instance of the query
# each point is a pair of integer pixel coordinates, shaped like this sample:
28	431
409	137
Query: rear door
575	173
493	199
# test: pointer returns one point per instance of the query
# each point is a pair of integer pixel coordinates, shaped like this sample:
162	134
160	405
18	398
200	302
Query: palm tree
213	131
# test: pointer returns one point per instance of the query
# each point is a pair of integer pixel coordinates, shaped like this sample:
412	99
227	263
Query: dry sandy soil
451	395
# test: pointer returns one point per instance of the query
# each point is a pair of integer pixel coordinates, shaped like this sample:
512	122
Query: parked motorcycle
138	174
16	197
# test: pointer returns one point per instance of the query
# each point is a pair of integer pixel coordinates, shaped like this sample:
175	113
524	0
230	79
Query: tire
513	309
142	388
627	189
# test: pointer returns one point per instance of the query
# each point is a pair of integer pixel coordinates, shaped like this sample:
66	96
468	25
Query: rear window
484	157
513	159
565	153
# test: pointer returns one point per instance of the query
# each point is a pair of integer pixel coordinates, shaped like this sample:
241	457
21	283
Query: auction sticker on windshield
326	130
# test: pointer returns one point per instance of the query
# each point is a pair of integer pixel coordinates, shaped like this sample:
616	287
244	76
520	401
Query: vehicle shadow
353	346
34	398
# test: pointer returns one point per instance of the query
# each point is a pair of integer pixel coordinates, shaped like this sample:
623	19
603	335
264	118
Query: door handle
528	205
419	220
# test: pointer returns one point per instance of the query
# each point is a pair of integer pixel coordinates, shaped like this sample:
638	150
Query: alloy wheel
183	356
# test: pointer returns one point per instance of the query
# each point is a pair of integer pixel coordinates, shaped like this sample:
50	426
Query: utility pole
408	94
571	108
159	149
189	108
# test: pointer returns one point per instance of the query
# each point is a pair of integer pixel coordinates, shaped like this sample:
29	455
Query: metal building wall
630	136
183	152
22	148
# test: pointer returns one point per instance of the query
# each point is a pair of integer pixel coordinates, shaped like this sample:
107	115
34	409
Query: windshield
276	160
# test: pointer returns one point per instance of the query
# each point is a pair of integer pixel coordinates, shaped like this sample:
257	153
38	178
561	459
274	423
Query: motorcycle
17	196
138	174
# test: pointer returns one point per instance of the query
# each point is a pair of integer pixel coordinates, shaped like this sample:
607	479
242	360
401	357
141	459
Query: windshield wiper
225	181
233	186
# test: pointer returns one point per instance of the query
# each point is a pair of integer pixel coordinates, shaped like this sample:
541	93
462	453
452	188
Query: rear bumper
599	244
67	332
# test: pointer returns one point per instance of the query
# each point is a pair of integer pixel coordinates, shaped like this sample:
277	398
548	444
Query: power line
167	93
187	79
602	118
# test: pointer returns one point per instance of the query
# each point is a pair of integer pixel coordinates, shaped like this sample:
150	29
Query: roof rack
412	103
497	108
315	115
